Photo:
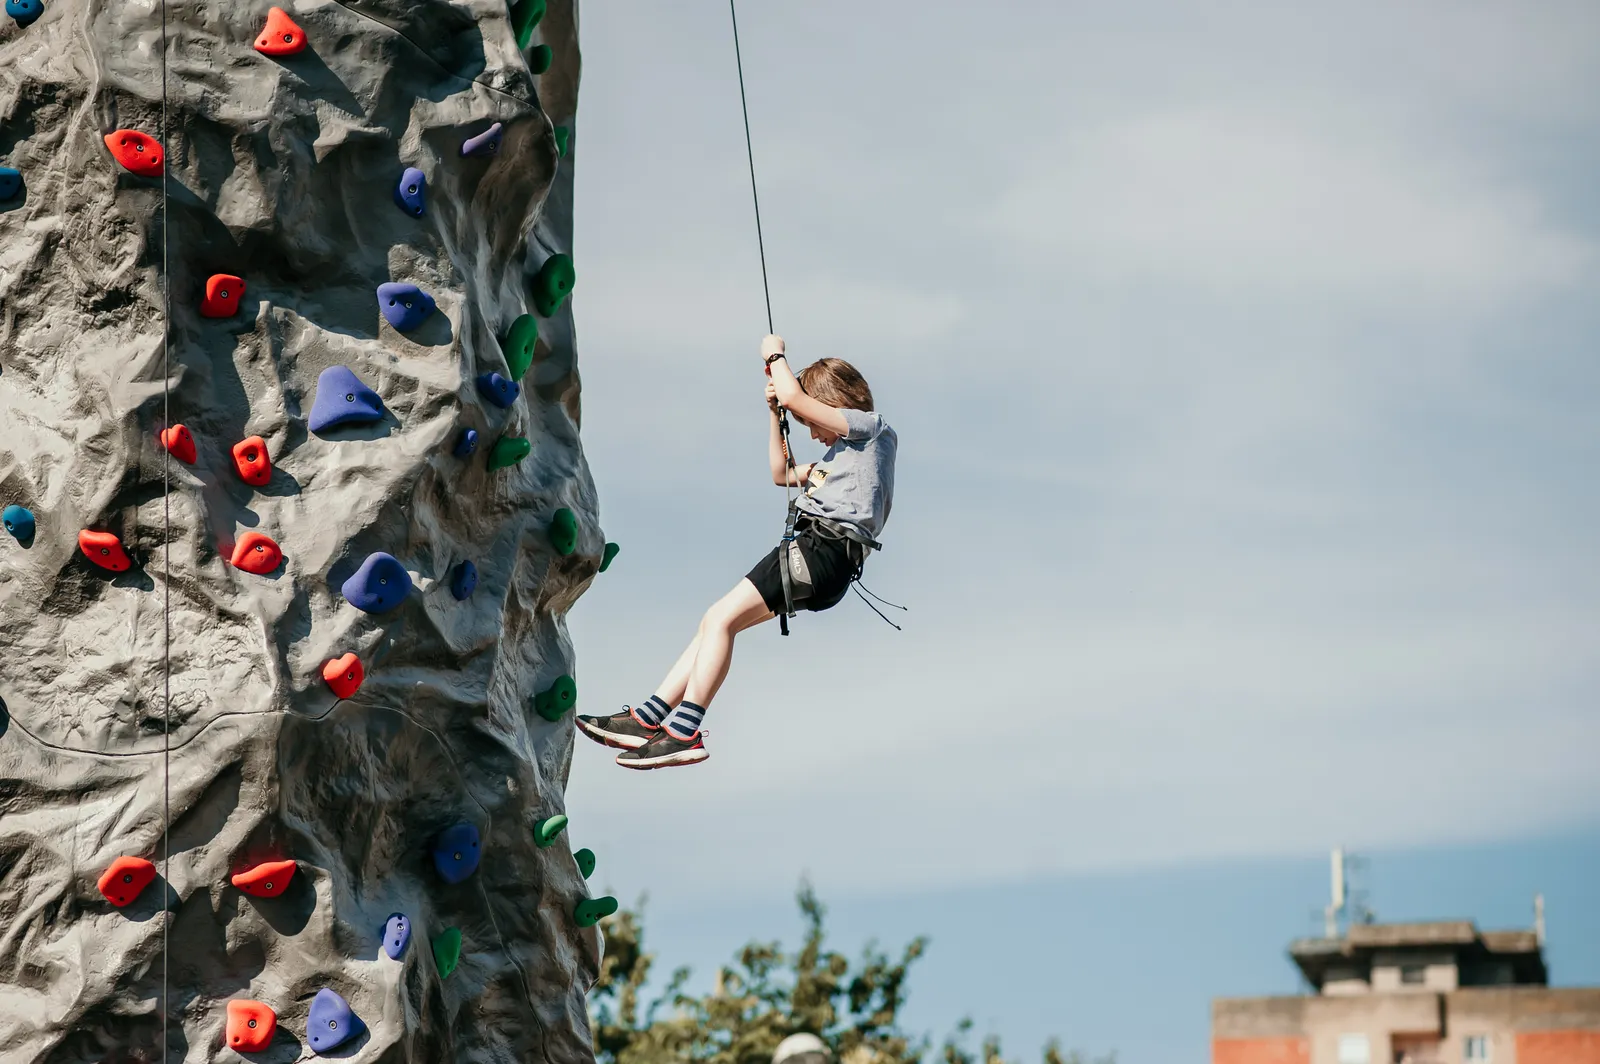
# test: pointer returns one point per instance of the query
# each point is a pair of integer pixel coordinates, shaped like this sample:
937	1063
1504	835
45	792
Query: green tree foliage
765	996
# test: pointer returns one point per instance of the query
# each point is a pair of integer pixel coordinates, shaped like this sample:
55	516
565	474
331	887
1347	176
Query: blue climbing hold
342	399
405	306
467	443
25	12
485	143
455	852
408	193
10	182
380	585
501	391
465	581
396	936
331	1023
19	522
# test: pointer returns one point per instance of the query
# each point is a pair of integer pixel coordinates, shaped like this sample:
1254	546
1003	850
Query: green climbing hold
555	700
508	451
585	859
564	531
552	284
524	333
447	951
539	58
591	911
547	830
525	15
563	138
609	556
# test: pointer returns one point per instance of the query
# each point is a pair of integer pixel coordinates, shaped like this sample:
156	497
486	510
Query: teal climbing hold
585	859
563	138
548	830
10	182
525	15
520	341
591	911
508	451
552	284
556	699
27	12
564	531
447	951
19	522
609	556
539	58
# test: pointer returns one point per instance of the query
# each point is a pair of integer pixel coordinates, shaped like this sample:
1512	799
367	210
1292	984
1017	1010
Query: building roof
1316	956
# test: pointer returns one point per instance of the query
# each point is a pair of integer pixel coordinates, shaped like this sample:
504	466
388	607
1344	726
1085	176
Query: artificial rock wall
202	485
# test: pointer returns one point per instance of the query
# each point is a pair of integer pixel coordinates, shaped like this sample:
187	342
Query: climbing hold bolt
223	291
405	306
256	553
10	182
564	531
591	911
138	152
609	556
563	138
556	699
251	460
508	451
342	399
250	1026
552	284
464	581
485	143
19	522
466	443
585	859
520	341
105	550
266	880
127	876
179	443
25	13
548	830
396	935
447	951
455	852
539	58
408	192
380	585
331	1023
525	15
499	390
344	675
280	36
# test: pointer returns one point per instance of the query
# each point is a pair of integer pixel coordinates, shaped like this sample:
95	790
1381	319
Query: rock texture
187	694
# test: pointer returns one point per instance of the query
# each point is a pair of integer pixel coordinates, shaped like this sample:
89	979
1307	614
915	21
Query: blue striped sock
684	722
653	712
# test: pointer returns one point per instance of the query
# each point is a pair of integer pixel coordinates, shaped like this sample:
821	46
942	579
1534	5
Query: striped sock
652	712
684	723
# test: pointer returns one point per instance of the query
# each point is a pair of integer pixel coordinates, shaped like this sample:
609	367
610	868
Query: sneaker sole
612	739
682	757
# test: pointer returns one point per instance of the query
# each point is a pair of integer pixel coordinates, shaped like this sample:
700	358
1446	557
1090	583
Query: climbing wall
295	506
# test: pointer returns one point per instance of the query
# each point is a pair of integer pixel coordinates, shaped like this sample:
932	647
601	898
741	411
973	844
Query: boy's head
837	383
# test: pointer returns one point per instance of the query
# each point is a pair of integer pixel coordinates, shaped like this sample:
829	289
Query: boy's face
822	436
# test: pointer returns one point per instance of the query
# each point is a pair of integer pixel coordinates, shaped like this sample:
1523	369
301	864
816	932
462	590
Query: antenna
1330	915
1538	919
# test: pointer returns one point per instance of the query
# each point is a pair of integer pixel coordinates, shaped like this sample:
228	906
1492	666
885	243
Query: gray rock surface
188	693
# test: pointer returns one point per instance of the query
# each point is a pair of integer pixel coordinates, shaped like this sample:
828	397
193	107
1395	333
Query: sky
1242	359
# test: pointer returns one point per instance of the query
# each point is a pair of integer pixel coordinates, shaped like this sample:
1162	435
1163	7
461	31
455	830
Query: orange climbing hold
344	675
250	1026
105	550
127	876
256	553
266	880
250	458
223	291
137	152
180	444
280	36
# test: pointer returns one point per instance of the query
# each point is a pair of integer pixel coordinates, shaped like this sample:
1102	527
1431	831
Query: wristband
773	358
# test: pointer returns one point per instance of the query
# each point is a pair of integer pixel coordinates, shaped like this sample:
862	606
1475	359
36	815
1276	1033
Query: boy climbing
839	516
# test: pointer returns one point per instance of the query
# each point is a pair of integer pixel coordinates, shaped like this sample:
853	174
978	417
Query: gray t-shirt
854	482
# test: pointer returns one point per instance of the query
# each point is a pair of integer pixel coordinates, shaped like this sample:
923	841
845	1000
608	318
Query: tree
765	996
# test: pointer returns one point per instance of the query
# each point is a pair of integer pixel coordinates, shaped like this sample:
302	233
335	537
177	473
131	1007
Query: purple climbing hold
408	193
405	306
396	936
342	399
465	581
331	1023
24	12
10	182
485	143
501	391
380	585
455	852
467	443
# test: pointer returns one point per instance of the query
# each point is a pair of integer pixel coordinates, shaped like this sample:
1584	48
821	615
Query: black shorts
831	572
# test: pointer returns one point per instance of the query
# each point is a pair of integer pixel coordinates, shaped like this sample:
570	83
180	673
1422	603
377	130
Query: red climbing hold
250	1026
180	444
266	880
127	876
344	675
280	36
222	296
250	458
255	553
105	550
136	151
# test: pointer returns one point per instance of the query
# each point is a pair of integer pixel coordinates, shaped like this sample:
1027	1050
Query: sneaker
620	730
665	750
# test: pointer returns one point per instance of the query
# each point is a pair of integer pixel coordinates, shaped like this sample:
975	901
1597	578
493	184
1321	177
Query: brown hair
837	383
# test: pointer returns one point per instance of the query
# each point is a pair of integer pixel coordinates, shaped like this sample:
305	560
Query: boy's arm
794	399
780	469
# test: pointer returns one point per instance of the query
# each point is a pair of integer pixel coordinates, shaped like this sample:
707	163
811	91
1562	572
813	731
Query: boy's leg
739	609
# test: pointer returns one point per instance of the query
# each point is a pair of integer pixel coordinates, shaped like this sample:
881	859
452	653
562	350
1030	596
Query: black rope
750	152
166	545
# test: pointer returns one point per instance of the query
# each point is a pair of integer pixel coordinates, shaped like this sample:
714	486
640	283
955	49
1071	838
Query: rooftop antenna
1335	909
1538	919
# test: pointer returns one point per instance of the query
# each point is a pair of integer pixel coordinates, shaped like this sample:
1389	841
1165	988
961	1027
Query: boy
845	503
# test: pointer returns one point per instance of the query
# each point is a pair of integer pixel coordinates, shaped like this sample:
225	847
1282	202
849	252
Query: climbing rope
166	547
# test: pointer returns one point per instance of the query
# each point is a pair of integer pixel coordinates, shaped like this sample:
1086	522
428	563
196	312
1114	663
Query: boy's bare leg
677	678
739	609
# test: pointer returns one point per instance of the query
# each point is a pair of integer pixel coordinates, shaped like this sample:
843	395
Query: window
1413	974
1354	1049
1476	1048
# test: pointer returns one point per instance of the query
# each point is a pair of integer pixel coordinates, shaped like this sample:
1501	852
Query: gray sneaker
665	750
622	730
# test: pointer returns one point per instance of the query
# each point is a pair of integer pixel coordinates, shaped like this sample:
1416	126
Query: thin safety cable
166	541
